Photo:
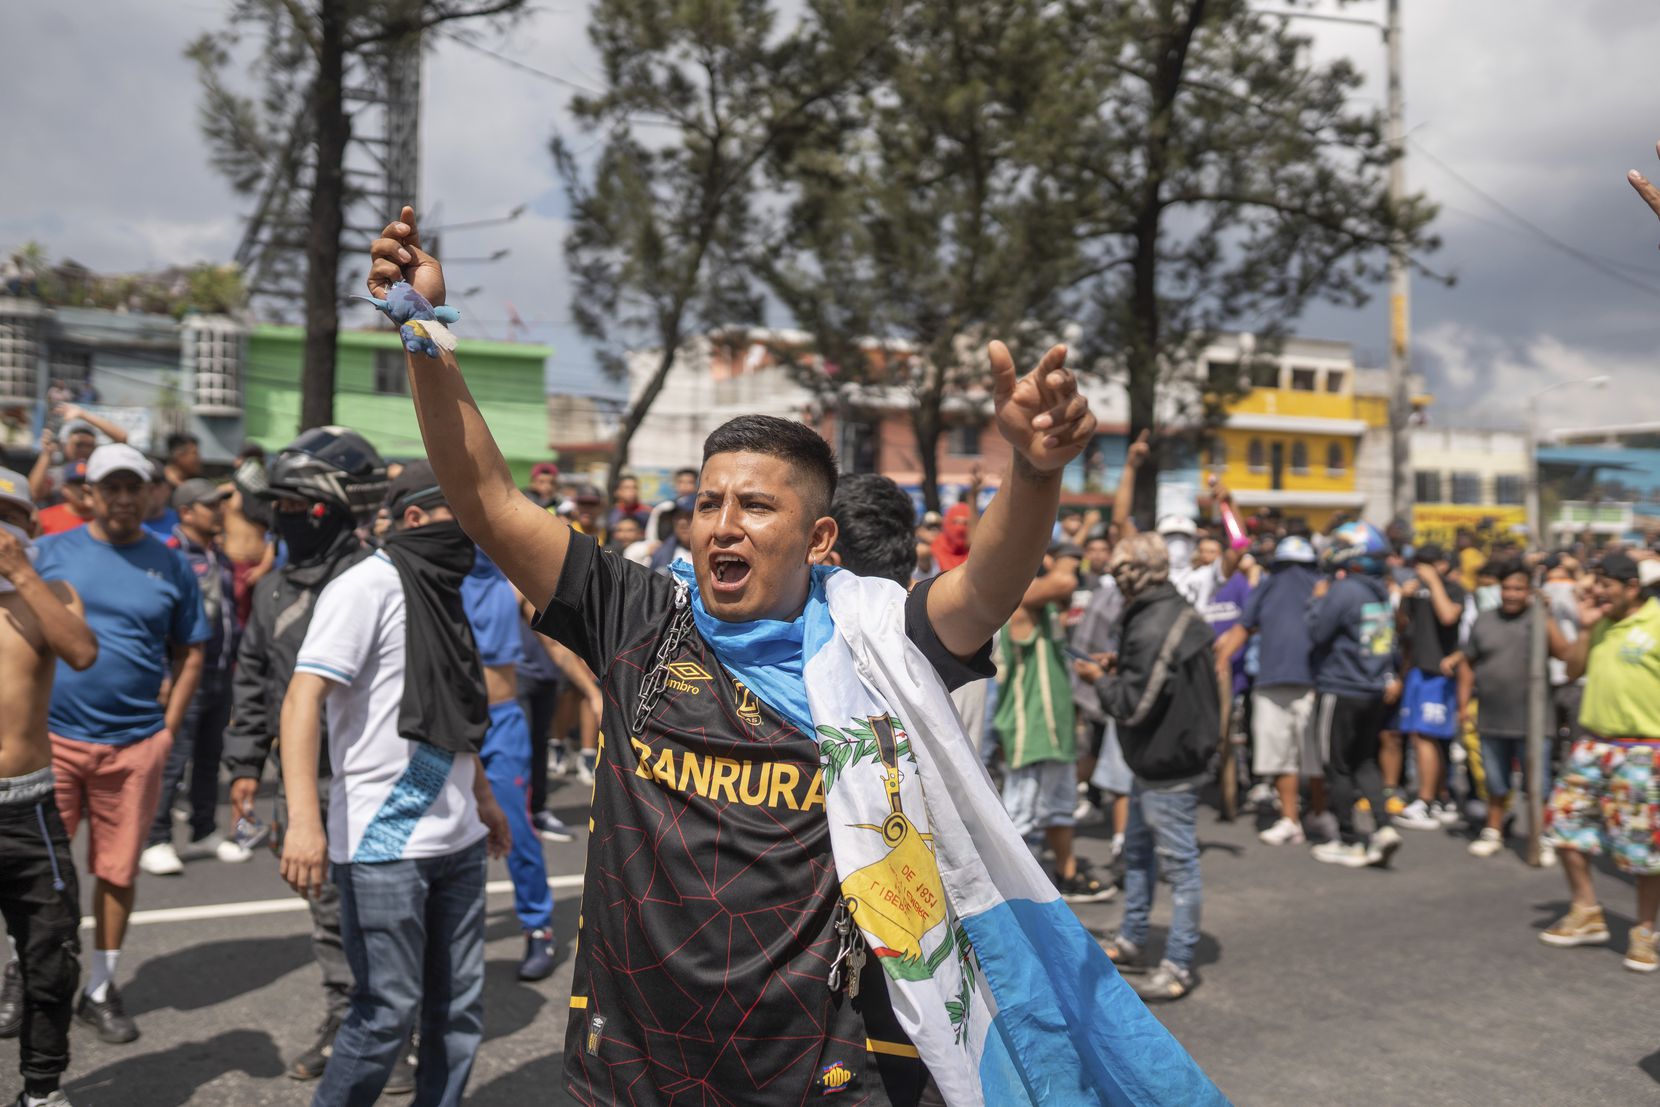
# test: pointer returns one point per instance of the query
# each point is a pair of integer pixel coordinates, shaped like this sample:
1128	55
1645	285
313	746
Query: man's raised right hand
397	256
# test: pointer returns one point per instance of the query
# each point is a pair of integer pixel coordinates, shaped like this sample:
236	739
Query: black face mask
444	546
314	534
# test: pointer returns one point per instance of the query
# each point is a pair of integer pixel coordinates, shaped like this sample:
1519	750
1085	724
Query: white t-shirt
392	799
1198	584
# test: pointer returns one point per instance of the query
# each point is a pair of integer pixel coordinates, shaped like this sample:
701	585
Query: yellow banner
1440	523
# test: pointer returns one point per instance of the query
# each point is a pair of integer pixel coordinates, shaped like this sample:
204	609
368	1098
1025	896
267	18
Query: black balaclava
317	533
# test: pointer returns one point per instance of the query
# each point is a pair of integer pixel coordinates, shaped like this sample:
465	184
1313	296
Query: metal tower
382	171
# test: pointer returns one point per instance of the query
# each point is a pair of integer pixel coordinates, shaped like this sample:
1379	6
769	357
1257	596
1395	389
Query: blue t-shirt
1277	612
493	610
162	525
139	599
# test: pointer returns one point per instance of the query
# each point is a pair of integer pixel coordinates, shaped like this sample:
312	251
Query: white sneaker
1284	832
1382	848
1547	855
1489	843
1336	853
161	860
1261	798
584	775
1446	814
1417	816
218	846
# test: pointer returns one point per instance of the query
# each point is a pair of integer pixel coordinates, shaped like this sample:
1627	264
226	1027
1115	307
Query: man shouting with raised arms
799	880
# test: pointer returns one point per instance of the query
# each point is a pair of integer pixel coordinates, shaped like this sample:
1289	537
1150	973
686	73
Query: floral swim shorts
1607	797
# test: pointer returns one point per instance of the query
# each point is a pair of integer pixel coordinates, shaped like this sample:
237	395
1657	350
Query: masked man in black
324	486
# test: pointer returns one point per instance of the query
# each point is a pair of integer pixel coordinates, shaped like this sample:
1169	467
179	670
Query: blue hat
1294	549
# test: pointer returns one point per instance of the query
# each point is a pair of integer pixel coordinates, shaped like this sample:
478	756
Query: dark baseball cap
1618	566
587	494
415	486
74	472
197	490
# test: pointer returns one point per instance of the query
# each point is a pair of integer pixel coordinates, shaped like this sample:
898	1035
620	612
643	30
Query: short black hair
874	525
796	443
1509	568
177	442
688	471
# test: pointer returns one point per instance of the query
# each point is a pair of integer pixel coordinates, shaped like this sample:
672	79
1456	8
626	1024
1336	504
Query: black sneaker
539	961
107	1017
11	1002
1082	887
310	1064
402	1080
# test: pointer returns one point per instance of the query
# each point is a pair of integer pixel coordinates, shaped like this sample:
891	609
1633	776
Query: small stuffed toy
420	325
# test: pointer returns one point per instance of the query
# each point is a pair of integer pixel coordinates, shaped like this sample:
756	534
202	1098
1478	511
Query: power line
514	63
1591	260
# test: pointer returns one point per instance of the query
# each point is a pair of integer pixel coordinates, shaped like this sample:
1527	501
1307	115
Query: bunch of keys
850	948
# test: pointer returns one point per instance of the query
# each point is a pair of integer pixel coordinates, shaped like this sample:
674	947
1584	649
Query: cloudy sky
1540	106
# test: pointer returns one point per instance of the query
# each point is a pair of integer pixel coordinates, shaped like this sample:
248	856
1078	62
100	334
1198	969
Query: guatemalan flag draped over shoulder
1005	995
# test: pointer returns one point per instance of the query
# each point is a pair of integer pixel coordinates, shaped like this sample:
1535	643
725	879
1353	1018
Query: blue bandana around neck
769	655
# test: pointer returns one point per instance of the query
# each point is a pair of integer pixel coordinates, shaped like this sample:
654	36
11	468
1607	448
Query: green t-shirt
1035	718
1622	677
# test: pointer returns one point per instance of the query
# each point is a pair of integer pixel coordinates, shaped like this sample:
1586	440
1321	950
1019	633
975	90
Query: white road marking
281	906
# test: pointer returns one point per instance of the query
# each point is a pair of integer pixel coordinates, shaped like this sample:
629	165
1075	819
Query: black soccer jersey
706	940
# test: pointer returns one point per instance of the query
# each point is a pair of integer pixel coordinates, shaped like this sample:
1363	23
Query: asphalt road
1422	985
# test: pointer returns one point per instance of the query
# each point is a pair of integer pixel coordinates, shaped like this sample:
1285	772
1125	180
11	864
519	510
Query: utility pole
1400	293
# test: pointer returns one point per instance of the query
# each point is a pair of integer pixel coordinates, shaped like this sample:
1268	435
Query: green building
372	392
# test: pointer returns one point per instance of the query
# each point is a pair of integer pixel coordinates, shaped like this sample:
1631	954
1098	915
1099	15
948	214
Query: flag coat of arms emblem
1006	997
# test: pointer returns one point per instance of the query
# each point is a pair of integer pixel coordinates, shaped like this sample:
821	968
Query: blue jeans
1162	832
506	757
414	936
196	746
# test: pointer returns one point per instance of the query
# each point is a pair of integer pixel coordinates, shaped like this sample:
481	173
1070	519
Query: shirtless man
246	539
39	623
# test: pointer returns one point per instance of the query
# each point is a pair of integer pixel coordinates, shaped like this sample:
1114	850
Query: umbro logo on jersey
685	675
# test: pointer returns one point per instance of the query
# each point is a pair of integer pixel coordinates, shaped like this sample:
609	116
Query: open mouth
729	571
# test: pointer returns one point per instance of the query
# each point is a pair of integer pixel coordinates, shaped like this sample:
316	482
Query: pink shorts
118	788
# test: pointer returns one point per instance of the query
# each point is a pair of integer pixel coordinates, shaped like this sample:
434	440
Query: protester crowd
164	628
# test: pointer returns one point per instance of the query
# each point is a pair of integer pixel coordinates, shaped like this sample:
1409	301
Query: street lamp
1533	520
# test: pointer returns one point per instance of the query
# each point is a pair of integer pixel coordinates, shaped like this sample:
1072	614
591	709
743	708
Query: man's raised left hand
1041	414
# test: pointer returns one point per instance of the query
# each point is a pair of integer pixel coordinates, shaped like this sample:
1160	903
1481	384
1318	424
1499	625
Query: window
210	350
1509	488
1466	488
390	377
1265	374
1299	458
1426	487
1217	452
1335	464
1255	459
1222	376
964	441
1335	379
71	366
1302	380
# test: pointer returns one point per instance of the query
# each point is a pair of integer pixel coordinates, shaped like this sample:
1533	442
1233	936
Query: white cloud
1485	381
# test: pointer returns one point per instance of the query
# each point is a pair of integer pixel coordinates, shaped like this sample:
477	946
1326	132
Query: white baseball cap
117	457
1176	524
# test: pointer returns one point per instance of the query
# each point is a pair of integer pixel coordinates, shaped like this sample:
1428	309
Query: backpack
1175	736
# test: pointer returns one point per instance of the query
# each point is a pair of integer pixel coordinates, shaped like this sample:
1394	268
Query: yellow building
1292	440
